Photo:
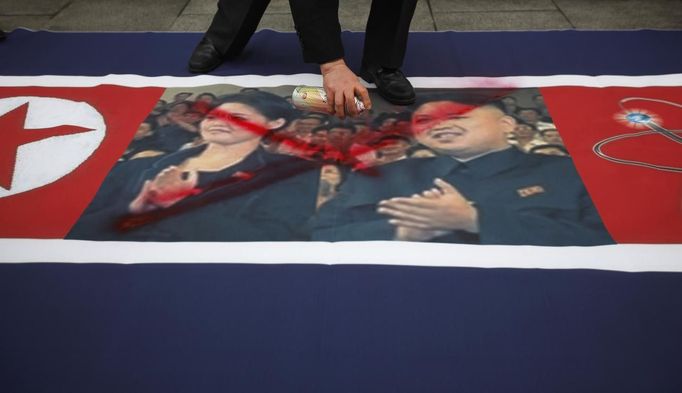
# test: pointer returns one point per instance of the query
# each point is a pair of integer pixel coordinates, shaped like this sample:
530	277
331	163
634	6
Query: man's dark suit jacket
521	198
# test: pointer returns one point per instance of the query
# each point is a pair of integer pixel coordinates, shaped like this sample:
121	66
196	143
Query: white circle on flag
47	160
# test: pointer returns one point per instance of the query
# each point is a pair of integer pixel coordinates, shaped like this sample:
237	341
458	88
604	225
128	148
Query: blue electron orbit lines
644	120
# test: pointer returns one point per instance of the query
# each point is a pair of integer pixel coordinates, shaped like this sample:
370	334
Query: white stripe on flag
622	257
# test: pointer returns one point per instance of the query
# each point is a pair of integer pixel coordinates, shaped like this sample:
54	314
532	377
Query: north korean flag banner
58	144
518	228
97	163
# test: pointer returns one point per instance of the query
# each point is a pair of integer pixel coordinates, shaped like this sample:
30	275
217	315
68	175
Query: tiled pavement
431	15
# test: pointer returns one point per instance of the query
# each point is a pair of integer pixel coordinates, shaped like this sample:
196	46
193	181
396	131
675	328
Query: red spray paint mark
448	110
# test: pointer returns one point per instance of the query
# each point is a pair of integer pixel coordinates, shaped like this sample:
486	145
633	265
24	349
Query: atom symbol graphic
640	119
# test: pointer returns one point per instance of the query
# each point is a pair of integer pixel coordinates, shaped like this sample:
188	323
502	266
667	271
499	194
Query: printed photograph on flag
228	163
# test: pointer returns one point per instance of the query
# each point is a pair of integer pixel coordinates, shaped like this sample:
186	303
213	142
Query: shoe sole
206	70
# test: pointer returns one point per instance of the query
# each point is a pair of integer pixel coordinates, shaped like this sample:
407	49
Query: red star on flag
13	135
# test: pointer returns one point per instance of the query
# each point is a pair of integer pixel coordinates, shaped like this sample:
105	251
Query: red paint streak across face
299	147
431	114
227	117
449	109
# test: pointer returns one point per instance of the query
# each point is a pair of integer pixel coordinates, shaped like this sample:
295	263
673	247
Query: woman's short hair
271	106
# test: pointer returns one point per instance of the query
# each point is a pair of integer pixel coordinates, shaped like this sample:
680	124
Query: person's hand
419	235
168	188
142	203
342	86
442	208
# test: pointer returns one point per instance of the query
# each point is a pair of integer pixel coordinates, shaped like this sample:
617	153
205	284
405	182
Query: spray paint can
314	99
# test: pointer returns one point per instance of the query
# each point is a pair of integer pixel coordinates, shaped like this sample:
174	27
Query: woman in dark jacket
228	189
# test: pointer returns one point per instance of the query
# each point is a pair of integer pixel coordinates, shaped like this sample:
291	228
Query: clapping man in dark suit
480	189
318	28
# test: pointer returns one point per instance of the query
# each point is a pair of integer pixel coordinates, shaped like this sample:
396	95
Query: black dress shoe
205	57
391	83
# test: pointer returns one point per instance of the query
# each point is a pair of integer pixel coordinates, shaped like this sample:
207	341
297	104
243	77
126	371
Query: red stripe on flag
633	182
51	210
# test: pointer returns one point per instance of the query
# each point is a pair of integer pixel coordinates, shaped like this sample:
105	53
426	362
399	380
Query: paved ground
431	15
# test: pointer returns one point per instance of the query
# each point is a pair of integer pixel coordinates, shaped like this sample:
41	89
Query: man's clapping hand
433	213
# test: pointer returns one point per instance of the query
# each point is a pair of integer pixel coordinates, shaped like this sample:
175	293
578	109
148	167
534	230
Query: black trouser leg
386	34
318	29
2	35
234	24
